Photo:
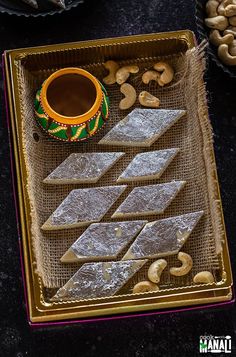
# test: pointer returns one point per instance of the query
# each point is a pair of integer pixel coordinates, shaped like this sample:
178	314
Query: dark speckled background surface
176	334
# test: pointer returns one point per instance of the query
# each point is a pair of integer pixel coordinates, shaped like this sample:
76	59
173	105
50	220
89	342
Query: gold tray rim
41	311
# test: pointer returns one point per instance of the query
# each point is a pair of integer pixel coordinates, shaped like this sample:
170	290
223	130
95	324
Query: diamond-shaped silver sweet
102	241
147	200
163	237
142	127
148	165
83	206
83	168
101	279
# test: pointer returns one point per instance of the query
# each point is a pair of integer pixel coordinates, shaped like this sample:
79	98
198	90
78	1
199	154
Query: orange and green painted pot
72	105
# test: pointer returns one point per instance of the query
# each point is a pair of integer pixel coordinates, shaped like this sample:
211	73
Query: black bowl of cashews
216	23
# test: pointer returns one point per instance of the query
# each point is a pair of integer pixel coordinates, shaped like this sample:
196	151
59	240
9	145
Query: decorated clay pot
71	105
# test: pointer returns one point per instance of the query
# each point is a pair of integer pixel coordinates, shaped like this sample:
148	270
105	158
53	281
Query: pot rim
66	119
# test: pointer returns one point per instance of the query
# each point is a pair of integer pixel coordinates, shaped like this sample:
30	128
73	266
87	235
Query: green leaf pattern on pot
72	132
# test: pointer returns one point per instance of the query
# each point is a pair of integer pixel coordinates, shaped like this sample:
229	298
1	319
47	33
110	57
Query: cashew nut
112	67
231	30
187	264
232	20
225	56
230	10
226	22
203	277
155	270
150	76
211	8
130	96
223	5
216	38
217	22
167	72
144	286
232	48
221	9
124	72
148	100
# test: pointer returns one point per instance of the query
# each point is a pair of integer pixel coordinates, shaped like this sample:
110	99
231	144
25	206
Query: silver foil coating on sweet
151	199
141	127
148	165
83	167
86	205
101	279
106	240
163	237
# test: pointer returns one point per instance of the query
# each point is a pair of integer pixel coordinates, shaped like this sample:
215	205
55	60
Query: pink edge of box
74	321
14	187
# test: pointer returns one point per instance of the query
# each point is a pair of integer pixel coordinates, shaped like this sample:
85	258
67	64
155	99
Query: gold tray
123	49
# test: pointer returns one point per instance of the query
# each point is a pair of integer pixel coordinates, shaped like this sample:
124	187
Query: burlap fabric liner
192	134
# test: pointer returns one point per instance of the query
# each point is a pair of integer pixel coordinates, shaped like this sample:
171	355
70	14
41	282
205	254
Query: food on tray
124	72
60	3
112	67
83	167
94	280
166	73
149	76
144	287
163	237
147	200
162	74
187	264
102	241
148	165
203	277
130	96
155	270
142	127
83	206
146	99
32	3
222	21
